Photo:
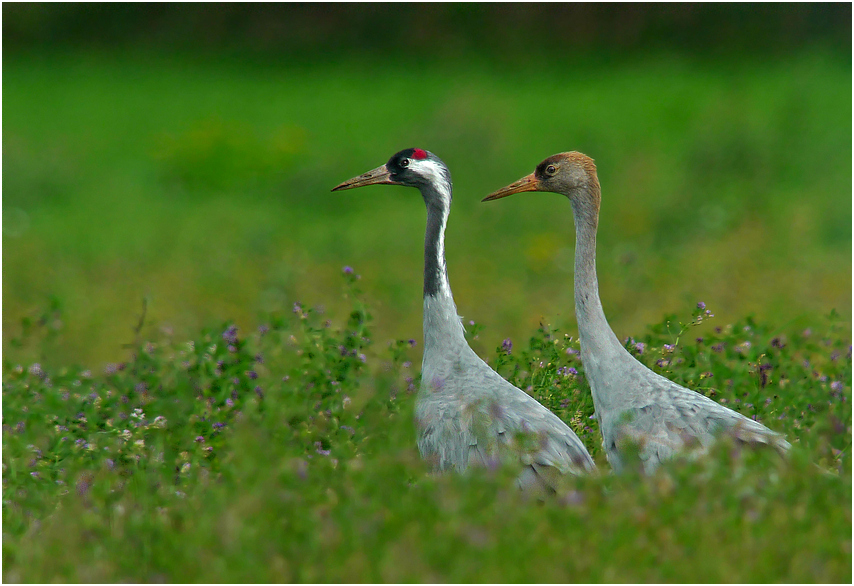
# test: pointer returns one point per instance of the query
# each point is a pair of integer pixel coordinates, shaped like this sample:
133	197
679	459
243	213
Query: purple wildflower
669	347
701	305
36	369
252	374
363	358
639	347
836	386
263	329
200	439
567	371
507	345
412	343
260	392
347	270
218	425
230	334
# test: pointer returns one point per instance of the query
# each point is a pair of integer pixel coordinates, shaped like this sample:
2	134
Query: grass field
287	454
204	187
256	425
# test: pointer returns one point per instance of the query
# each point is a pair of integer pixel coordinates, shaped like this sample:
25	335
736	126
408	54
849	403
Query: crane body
633	404
466	414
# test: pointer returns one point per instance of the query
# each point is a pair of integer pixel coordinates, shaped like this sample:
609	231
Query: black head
411	167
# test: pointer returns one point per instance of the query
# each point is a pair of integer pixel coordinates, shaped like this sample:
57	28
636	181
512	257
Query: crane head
410	167
565	173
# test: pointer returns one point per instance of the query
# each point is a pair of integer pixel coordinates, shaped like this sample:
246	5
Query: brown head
572	174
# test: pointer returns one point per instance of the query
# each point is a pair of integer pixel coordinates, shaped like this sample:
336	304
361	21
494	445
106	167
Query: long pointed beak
526	183
379	176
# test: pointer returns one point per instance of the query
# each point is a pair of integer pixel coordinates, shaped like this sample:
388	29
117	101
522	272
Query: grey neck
435	270
594	332
443	330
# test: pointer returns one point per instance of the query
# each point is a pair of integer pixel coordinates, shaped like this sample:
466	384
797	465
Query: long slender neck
435	269
442	326
595	333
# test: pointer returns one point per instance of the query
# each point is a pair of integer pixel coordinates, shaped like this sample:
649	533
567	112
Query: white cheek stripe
434	174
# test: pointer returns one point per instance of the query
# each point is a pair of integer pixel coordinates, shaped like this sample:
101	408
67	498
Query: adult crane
632	402
465	413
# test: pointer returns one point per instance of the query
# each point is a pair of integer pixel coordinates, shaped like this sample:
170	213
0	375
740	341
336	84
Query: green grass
204	187
287	454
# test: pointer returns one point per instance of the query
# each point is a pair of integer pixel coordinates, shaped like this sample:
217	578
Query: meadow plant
287	453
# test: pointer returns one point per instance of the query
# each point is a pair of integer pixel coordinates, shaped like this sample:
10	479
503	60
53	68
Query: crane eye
551	170
404	163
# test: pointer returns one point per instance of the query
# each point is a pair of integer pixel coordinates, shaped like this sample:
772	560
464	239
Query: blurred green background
184	154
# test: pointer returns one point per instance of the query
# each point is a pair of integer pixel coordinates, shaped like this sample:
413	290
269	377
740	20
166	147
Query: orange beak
526	183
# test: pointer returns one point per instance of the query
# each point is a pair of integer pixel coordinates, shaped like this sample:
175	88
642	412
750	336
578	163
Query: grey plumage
466	414
633	404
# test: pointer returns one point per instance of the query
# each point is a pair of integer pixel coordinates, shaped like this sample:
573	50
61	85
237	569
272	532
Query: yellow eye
551	170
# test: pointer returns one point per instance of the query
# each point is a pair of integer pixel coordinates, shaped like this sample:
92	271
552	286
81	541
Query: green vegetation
278	445
204	187
287	454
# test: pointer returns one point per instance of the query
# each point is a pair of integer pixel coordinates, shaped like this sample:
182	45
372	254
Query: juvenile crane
632	402
465	413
